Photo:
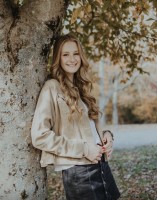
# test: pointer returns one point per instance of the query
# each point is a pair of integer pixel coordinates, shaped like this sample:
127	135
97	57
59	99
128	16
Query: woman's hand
98	154
93	152
108	143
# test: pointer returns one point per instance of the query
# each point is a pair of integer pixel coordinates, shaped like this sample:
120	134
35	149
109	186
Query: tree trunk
102	102
104	98
114	101
26	34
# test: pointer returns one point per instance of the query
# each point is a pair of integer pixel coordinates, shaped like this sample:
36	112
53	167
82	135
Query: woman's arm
43	136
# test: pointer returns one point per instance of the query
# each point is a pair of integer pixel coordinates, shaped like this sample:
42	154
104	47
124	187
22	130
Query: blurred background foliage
122	32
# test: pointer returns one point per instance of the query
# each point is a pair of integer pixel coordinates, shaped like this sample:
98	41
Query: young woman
65	127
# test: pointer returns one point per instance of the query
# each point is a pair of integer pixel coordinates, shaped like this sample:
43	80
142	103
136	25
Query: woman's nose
71	58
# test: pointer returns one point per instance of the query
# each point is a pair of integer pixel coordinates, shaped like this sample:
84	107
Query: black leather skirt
90	182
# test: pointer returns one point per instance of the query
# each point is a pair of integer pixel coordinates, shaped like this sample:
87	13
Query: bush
138	112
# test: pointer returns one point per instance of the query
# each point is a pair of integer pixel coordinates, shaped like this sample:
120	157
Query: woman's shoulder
52	84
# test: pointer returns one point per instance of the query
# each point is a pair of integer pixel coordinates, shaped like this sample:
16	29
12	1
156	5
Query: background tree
27	29
138	102
111	84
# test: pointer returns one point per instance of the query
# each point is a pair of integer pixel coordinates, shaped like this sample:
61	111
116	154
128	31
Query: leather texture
90	182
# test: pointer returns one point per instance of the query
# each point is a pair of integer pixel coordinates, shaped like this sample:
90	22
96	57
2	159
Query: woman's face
70	58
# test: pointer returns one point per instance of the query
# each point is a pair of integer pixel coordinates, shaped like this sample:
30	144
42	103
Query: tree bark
26	34
102	99
114	101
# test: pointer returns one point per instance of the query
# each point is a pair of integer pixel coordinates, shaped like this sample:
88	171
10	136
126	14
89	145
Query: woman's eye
65	54
76	54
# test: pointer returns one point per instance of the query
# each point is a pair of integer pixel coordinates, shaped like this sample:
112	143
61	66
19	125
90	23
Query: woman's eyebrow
69	52
65	52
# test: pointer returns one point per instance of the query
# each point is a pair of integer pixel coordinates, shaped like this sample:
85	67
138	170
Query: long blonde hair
81	86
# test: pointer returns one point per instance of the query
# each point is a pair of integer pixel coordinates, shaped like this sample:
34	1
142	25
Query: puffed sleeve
42	133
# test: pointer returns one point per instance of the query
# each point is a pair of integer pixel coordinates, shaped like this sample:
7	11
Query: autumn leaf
78	12
88	8
154	25
100	2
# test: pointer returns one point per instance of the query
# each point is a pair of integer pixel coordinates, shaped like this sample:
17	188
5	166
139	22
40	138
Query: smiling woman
65	127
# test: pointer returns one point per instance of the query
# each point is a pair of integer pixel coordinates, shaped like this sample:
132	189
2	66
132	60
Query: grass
135	172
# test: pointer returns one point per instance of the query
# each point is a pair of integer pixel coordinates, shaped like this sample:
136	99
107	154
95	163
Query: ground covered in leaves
135	171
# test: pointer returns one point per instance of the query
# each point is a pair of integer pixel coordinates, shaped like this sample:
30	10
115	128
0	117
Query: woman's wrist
108	131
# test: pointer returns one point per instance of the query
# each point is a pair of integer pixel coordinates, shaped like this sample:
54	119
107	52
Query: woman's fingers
97	154
107	149
99	157
95	161
108	145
